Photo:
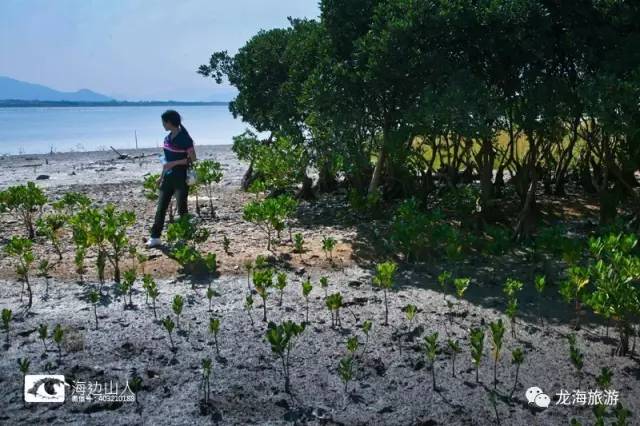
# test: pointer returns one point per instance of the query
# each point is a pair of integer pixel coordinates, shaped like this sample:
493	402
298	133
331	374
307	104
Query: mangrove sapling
384	279
21	249
24	363
135	384
461	285
431	350
43	333
306	291
94	298
51	227
206	379
70	203
58	335
169	325
540	284
517	358
622	414
150	186
26	201
176	305
511	289
248	266
226	245
324	284
115	225
334	303
7	316
153	292
571	289
248	305
269	214
328	245
454	348
281	284
345	371
298	243
210	294
497	333
410	313
262	280
576	356
208	173
214	328
476	337
282	339
44	271
129	279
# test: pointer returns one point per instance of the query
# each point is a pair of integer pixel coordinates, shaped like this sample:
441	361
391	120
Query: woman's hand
168	166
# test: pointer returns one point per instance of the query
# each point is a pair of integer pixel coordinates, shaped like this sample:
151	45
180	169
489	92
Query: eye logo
537	398
44	388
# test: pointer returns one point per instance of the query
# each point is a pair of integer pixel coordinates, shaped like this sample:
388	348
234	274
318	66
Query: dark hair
172	116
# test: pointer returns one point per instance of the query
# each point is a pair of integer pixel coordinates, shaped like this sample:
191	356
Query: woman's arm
172	164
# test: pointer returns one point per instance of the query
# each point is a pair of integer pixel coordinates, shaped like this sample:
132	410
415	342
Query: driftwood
129	157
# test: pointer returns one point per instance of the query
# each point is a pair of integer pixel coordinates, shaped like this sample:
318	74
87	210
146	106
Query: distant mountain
23	91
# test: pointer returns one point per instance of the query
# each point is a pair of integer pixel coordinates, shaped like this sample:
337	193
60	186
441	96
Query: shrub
185	237
115	224
26	201
328	244
71	202
270	214
282	339
21	249
384	279
150	186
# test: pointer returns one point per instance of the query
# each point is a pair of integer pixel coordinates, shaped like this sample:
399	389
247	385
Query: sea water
38	130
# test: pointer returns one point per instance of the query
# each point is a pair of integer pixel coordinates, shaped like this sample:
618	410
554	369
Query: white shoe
154	242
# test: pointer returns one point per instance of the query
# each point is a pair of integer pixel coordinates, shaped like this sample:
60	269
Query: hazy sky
132	49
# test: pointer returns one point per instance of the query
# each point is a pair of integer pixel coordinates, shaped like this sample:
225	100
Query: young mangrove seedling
43	333
604	378
306	291
454	348
324	284
384	279
476	336
7	316
176	305
21	249
206	379
328	245
51	227
147	279
214	328
153	292
262	280
334	303
44	271
410	312
298	243
345	371
94	298
571	289
431	350
517	358
26	202
540	284
366	329
444	279
135	384
24	363
58	335
497	333
169	325
210	294
461	285
248	305
226	245
281	284
353	344
248	266
282	339
511	289
576	356
269	214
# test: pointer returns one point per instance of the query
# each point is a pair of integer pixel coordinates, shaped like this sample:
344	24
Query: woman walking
179	153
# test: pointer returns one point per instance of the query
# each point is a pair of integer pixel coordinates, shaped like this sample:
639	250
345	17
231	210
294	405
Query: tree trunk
377	171
247	178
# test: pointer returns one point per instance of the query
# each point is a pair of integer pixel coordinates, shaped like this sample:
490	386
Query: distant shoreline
10	103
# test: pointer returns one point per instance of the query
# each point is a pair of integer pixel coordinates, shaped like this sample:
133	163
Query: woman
178	155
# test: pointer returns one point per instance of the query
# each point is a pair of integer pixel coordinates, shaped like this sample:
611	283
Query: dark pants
173	183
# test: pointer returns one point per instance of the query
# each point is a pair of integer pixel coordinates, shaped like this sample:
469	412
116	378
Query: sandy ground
393	382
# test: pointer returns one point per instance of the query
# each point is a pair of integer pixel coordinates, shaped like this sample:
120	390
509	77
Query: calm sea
40	130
